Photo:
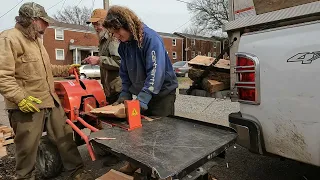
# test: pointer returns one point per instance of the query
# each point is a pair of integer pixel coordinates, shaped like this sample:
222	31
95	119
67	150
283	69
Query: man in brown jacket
108	58
26	82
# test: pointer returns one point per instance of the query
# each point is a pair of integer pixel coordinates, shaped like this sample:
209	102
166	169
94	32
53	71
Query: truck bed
170	146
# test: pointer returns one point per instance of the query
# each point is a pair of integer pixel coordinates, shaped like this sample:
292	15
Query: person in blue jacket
146	70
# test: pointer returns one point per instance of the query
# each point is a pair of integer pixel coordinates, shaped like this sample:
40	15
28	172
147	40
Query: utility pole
106	4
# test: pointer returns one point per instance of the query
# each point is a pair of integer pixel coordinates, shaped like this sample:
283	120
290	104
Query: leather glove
27	104
144	99
123	97
73	67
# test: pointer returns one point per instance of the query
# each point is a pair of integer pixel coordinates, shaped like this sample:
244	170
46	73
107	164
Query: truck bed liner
170	145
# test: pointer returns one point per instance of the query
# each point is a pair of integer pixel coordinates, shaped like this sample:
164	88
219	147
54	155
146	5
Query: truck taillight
248	77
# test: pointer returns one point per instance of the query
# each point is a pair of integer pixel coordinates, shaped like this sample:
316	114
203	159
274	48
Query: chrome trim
245	71
245	87
242	67
257	76
250	83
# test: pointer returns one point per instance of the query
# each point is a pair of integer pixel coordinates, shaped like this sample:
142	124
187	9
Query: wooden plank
115	175
213	86
110	111
264	6
201	61
7	142
3	150
207	61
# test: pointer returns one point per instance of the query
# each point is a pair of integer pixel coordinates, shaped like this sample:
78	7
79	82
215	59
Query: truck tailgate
169	145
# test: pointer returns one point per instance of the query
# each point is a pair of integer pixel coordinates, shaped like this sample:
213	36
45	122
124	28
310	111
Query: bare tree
73	15
210	15
194	30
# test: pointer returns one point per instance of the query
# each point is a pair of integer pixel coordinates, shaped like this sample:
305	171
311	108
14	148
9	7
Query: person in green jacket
108	58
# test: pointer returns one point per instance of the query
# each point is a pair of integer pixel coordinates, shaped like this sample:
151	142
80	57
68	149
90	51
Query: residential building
70	43
198	45
173	45
224	41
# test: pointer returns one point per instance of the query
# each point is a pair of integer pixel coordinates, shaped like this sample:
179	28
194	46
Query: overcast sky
161	15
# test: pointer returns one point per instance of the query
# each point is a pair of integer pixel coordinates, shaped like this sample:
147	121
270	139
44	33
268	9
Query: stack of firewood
6	138
218	78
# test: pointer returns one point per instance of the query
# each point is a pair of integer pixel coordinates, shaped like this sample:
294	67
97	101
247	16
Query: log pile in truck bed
218	79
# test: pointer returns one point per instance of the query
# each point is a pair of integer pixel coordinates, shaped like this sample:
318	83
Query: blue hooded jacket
146	71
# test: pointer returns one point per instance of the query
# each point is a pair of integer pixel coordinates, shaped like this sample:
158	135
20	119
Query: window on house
209	54
199	53
216	44
59	34
59	54
174	42
214	54
174	55
193	54
193	42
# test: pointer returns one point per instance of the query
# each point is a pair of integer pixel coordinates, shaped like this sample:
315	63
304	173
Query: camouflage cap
34	10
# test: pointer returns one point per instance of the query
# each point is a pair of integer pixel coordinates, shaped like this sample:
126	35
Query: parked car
181	68
89	71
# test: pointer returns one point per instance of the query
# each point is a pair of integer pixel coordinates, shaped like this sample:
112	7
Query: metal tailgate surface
168	145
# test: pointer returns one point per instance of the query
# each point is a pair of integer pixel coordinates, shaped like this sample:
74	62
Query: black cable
63	5
11	9
79	3
54	5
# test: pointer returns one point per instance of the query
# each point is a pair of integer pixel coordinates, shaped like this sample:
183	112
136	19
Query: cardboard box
115	175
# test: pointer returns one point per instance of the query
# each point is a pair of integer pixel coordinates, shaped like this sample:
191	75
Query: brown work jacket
25	69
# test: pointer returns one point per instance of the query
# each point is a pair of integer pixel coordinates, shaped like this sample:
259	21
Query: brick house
199	45
70	43
224	41
173	45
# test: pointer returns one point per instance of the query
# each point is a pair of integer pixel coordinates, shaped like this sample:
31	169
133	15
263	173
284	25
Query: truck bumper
249	133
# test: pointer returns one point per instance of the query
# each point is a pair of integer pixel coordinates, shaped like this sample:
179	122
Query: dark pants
28	128
161	106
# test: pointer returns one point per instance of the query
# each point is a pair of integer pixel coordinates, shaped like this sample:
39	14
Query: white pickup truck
275	62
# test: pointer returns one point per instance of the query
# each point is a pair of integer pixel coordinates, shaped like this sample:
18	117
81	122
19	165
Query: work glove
28	104
123	97
144	99
74	67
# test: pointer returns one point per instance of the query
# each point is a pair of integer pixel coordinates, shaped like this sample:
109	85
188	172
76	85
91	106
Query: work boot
84	175
129	169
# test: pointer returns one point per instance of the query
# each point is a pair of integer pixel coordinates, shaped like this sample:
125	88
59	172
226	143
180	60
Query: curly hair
23	21
122	17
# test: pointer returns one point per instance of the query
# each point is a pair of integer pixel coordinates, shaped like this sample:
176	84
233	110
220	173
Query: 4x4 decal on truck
305	58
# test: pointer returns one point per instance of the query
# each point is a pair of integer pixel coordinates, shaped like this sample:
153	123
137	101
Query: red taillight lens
241	61
247	94
246	79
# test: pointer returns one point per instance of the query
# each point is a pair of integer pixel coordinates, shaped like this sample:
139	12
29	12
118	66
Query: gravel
205	109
